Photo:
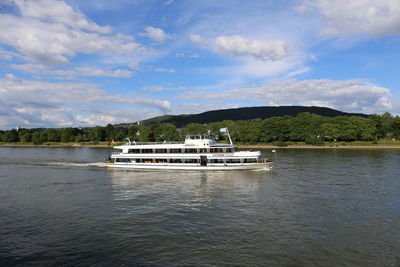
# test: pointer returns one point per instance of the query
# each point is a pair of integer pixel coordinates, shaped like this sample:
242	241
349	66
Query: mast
225	131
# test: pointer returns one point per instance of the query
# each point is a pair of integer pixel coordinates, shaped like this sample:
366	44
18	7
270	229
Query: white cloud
197	39
58	11
33	103
313	57
114	115
157	69
298	71
156	34
367	17
159	88
266	51
87	71
7	55
192	108
183	55
43	37
165	70
347	95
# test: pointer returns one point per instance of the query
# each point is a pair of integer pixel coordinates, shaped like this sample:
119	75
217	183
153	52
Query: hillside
246	113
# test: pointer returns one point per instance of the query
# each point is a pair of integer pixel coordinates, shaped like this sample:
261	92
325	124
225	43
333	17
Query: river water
316	208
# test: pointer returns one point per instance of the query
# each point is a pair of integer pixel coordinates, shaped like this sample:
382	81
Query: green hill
246	113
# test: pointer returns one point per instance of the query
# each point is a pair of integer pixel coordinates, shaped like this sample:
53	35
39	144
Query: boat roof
191	141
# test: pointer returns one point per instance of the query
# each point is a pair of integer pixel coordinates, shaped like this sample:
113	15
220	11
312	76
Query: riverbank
320	147
350	145
55	144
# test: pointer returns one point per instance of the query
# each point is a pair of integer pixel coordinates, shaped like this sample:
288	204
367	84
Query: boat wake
55	163
75	164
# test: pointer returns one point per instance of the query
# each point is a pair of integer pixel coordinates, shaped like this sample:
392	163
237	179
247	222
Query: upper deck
191	141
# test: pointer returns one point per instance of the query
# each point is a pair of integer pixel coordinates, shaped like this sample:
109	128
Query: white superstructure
198	152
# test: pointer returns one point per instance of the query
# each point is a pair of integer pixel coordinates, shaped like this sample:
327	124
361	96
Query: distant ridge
246	113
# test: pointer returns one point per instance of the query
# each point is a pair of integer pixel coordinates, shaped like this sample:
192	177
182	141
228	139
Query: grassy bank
56	144
382	144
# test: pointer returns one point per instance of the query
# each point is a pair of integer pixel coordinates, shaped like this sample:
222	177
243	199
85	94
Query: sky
78	63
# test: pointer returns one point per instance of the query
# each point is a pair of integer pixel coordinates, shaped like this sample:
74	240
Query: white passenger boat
198	152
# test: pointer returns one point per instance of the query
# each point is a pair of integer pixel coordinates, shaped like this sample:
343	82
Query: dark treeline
305	127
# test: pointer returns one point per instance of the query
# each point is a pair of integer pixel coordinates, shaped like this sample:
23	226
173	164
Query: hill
246	113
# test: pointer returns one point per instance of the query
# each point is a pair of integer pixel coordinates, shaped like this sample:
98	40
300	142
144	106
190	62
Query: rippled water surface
316	208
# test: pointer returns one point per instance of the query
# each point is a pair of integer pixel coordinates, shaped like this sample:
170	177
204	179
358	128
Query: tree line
305	127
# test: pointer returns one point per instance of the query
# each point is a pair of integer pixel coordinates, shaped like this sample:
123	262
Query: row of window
179	150
125	160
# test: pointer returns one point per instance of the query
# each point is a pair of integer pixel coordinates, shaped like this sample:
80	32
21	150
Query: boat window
161	160
191	160
216	161
146	150
122	160
175	150
202	150
190	150
134	150
249	160
233	161
161	150
175	161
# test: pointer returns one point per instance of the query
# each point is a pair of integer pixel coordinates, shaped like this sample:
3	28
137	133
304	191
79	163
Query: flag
111	143
223	130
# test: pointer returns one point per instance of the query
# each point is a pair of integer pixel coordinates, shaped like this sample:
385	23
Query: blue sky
94	62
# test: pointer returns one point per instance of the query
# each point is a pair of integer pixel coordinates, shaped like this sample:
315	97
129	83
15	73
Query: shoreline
53	145
239	146
319	147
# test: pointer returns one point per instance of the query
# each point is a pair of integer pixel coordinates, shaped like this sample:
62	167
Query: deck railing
152	143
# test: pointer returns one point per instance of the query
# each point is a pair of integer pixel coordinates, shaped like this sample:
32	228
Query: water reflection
188	181
181	190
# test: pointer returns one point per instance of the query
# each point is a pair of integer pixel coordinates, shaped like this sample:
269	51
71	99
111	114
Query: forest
305	127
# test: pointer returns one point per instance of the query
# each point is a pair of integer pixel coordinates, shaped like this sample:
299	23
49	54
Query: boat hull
195	167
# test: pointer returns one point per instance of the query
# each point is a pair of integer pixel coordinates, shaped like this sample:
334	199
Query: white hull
195	167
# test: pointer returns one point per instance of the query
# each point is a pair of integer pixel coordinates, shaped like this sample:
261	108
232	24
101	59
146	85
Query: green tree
304	126
109	132
53	135
329	131
97	134
276	129
143	134
166	132
396	127
387	122
132	130
195	128
38	138
25	137
68	135
11	136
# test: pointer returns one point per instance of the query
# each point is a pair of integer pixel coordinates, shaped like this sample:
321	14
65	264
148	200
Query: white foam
75	164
